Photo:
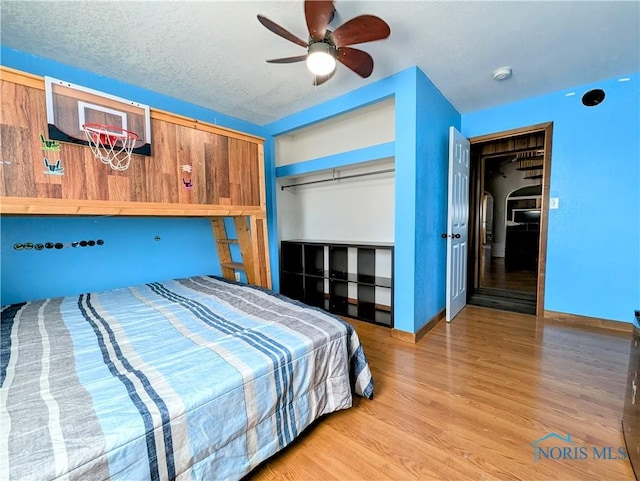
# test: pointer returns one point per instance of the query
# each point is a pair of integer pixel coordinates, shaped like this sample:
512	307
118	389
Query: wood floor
468	401
504	299
494	274
513	290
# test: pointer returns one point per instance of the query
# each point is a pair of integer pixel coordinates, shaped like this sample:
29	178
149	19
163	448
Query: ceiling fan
325	47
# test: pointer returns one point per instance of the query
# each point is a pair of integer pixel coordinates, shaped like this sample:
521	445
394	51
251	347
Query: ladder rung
232	265
227	241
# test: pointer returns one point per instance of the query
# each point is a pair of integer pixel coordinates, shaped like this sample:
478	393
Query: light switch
554	202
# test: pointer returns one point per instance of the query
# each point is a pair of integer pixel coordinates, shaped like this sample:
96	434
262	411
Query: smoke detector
502	73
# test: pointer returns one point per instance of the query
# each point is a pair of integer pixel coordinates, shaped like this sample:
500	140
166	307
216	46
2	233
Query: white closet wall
364	127
289	214
360	209
356	209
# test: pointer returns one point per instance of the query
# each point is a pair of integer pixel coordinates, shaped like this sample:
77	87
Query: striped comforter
194	378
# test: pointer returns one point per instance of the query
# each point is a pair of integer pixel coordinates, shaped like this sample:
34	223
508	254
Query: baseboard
430	324
414	338
586	321
403	335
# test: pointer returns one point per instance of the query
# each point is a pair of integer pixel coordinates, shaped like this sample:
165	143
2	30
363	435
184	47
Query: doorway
509	193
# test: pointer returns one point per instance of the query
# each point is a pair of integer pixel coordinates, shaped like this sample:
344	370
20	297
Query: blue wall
404	252
434	117
130	255
423	118
593	254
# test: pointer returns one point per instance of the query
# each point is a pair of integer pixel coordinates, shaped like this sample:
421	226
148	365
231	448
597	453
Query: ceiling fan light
321	59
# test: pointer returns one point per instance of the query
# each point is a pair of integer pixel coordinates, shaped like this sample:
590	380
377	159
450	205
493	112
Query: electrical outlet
554	202
237	276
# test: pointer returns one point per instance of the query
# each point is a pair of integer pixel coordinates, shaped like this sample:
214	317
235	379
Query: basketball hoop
112	145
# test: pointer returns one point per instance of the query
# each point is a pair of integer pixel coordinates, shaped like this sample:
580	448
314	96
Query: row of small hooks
57	245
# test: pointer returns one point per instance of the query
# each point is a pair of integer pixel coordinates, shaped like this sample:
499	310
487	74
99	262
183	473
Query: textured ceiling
213	53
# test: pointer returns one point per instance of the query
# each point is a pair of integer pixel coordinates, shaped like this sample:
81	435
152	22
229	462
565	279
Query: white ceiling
212	53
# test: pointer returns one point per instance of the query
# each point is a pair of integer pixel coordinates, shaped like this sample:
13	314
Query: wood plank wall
517	143
226	168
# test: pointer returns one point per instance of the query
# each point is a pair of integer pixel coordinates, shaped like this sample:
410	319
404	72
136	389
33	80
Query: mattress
195	378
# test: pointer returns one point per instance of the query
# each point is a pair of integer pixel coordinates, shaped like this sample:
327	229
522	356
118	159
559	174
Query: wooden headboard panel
227	166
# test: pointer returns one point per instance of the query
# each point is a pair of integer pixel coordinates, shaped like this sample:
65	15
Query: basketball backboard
71	106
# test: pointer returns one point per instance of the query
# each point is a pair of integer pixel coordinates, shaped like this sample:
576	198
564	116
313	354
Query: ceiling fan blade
364	28
299	58
278	30
320	79
318	14
357	60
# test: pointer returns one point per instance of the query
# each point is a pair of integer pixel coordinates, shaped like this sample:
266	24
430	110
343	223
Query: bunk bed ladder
228	266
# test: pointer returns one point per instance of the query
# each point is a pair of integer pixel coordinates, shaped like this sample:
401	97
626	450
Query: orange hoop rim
110	144
110	130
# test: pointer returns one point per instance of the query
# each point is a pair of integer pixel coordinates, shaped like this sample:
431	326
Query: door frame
547	128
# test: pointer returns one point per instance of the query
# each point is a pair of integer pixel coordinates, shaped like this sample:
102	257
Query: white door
457	223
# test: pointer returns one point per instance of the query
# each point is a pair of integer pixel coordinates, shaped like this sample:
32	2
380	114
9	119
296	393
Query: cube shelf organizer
353	279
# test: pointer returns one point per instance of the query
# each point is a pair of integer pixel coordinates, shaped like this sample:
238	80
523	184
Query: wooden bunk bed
228	173
199	378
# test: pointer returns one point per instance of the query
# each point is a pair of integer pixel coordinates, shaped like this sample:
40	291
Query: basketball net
110	144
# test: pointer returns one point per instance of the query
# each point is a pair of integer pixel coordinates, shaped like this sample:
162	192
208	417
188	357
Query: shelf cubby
292	285
367	265
339	297
314	260
338	262
314	294
383	317
291	255
347	279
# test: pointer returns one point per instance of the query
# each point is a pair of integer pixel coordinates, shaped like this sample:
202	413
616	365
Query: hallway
513	291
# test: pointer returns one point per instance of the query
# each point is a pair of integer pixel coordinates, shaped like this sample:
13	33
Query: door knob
457	236
453	236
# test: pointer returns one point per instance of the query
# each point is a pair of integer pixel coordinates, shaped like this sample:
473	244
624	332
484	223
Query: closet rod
282	187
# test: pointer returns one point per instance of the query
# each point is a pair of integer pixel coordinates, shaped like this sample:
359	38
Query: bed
195	378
